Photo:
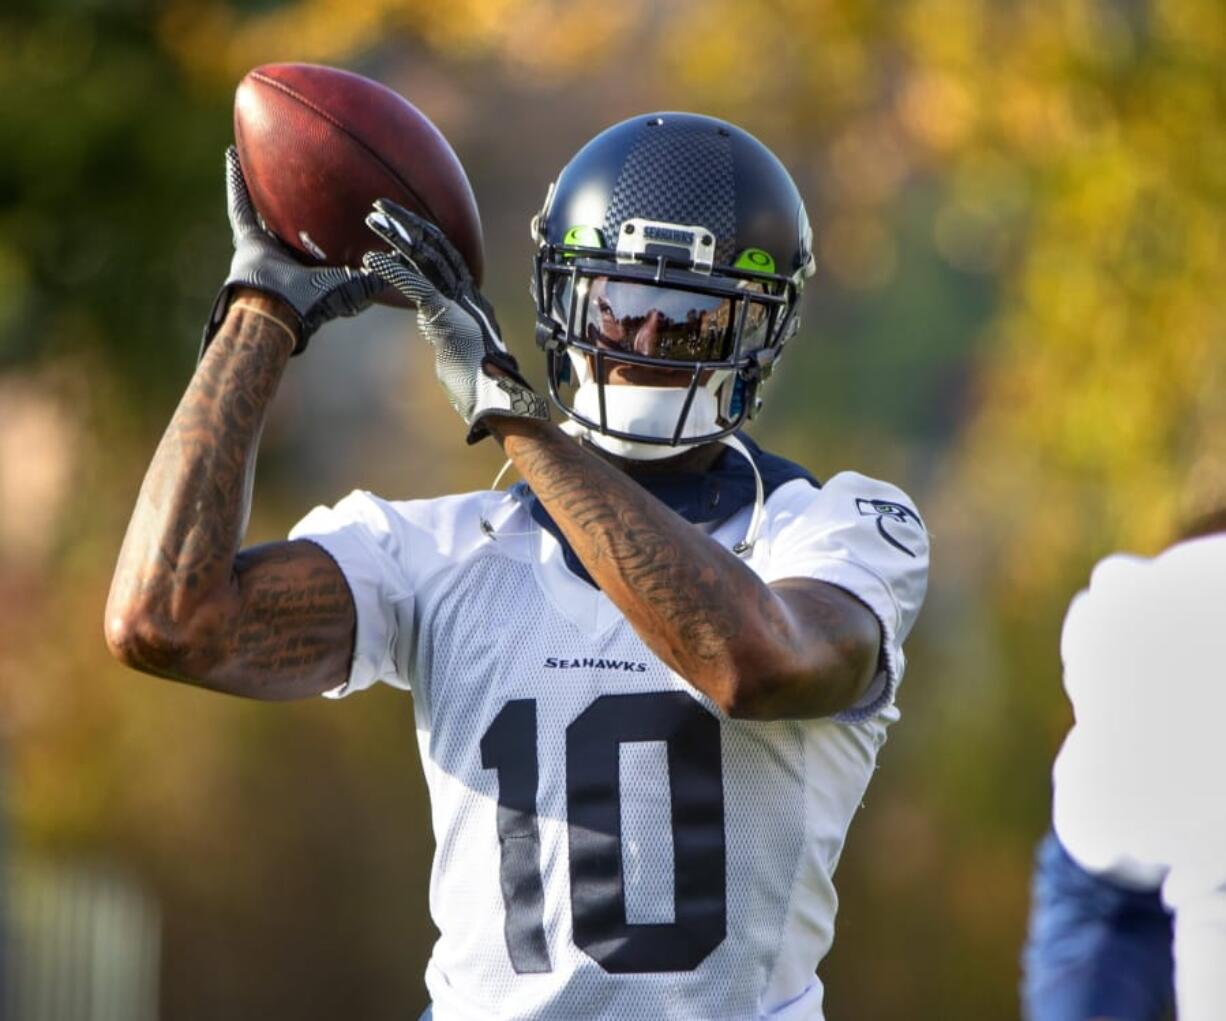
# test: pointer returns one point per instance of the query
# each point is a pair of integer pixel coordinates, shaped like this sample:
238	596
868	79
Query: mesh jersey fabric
574	778
1140	782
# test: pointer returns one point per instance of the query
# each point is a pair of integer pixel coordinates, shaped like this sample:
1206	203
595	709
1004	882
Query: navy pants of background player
1096	949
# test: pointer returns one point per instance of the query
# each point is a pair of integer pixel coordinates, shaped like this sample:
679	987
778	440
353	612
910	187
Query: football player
651	680
1130	885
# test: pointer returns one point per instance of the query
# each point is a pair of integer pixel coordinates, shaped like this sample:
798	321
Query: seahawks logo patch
898	516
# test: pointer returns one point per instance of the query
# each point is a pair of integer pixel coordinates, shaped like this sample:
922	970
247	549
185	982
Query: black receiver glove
480	375
317	294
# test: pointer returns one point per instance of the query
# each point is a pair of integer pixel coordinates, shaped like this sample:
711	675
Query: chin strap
572	429
486	525
746	545
742	549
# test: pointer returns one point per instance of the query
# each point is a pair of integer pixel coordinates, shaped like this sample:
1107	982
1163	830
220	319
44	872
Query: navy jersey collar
699	497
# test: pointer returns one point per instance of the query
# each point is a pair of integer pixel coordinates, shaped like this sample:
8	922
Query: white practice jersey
609	844
1140	783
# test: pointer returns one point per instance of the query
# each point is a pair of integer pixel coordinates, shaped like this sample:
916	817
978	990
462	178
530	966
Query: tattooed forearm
193	505
184	603
638	549
630	540
699	608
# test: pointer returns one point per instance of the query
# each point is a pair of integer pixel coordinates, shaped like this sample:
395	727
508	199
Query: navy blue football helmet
671	252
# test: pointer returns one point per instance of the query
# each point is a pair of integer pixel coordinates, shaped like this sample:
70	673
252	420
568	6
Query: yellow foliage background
1018	316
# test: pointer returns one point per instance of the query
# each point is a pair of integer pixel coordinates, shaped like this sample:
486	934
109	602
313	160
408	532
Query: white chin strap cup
649	411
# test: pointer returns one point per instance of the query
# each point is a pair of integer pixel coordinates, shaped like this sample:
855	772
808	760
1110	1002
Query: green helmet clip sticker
755	259
588	237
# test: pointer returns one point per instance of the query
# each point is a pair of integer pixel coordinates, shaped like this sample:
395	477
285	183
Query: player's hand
316	294
480	376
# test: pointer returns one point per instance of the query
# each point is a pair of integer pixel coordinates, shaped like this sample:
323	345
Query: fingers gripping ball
480	376
315	294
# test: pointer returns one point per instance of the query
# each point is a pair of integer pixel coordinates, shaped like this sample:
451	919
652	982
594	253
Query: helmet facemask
649	346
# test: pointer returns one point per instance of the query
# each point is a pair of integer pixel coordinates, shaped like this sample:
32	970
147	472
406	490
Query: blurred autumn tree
1019	210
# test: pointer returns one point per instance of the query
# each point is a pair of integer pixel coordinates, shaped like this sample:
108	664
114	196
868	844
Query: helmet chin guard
643	410
671	254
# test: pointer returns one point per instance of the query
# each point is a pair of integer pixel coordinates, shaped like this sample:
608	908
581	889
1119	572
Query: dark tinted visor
663	322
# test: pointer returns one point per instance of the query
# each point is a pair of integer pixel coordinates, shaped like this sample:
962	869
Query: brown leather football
318	145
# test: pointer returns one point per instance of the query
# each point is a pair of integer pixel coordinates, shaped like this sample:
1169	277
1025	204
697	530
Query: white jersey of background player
650	681
1140	784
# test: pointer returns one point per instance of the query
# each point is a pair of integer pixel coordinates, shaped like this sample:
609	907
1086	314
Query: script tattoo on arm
274	621
797	648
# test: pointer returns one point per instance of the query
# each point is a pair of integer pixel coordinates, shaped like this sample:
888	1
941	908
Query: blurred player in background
1131	882
650	682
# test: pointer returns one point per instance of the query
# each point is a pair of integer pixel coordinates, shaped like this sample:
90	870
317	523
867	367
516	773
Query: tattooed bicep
296	580
295	622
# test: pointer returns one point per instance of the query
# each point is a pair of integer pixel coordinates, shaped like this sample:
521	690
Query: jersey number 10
593	809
